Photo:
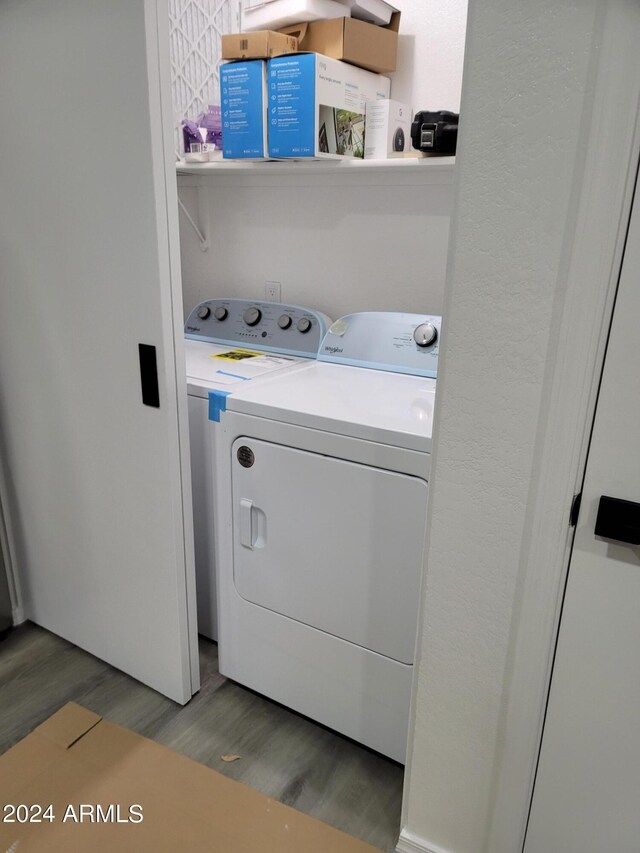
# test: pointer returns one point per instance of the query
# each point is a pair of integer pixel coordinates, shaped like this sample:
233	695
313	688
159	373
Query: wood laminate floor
283	754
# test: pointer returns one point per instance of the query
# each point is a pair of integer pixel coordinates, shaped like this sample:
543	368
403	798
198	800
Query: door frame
593	237
594	240
174	368
8	549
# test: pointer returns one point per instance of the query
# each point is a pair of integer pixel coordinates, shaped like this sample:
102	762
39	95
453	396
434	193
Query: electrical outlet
273	291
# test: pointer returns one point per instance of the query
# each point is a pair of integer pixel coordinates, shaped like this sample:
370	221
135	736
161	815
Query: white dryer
320	507
232	342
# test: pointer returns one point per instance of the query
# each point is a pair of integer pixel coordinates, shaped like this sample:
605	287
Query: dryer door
333	544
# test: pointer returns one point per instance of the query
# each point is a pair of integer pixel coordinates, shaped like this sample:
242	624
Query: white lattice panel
196	27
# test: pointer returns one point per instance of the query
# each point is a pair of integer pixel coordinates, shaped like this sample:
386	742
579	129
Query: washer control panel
402	343
268	326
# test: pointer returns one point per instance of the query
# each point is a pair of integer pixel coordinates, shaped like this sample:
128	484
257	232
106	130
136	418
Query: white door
89	271
587	791
333	544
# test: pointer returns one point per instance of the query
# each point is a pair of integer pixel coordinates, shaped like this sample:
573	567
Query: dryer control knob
203	312
284	321
425	334
221	313
303	325
252	316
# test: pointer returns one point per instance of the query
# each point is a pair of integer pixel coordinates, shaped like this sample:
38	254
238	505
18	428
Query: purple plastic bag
212	120
191	135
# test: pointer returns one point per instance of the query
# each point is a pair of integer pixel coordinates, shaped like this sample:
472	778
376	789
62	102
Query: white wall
342	246
430	54
336	243
523	194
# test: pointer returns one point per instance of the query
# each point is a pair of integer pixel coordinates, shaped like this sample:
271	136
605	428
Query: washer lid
389	408
220	366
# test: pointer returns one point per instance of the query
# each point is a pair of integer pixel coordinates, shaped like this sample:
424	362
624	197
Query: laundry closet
93	404
341	238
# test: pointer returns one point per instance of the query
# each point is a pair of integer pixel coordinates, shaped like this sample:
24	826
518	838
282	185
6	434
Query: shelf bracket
203	217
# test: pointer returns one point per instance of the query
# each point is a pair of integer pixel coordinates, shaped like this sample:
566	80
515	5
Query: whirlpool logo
333	350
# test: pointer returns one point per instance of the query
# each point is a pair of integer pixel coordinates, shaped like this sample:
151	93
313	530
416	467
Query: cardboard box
317	106
243	97
388	129
109	790
263	44
366	45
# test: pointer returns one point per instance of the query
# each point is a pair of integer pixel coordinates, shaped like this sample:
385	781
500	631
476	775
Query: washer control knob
221	313
203	312
425	334
303	325
284	321
252	316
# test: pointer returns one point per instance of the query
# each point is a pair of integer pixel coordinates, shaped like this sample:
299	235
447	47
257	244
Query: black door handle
149	375
618	519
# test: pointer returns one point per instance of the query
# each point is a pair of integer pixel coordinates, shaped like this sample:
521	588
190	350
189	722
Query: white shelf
317	167
436	172
394	172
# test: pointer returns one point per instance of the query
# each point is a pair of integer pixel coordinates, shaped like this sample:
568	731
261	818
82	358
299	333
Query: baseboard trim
411	843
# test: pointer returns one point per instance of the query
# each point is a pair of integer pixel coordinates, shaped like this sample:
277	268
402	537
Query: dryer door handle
246	523
253	525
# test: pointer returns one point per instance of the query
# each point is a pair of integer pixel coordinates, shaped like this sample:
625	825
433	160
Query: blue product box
317	106
243	97
292	106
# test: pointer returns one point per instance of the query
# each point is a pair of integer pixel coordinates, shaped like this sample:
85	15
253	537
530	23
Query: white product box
373	11
275	14
388	129
243	98
317	106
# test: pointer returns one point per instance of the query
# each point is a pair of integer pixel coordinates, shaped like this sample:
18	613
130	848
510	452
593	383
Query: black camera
435	133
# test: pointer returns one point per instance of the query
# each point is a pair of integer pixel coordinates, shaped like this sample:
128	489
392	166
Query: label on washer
237	355
260	359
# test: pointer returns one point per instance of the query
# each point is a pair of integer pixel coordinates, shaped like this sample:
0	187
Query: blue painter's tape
233	375
217	404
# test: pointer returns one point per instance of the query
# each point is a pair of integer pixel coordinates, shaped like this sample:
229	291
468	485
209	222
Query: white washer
228	343
320	507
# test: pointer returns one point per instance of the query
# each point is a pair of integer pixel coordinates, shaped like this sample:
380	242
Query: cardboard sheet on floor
110	789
